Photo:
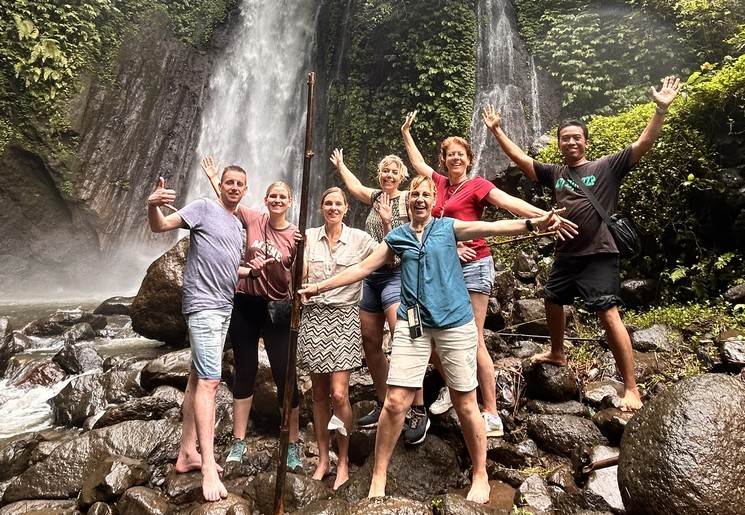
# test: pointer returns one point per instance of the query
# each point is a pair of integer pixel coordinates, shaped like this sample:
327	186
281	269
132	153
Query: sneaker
418	426
371	419
293	458
237	450
492	424
442	403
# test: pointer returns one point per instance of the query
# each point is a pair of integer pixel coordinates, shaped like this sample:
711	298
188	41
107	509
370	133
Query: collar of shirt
343	237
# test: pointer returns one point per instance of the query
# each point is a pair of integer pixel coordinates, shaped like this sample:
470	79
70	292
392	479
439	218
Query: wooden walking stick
297	277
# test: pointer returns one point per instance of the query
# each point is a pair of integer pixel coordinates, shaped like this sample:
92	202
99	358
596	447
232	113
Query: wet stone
612	422
540	407
142	500
78	358
299	491
114	306
388	505
112	478
550	382
325	507
533	495
47	507
560	434
658	338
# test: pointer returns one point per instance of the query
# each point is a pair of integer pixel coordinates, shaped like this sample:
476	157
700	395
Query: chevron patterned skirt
329	338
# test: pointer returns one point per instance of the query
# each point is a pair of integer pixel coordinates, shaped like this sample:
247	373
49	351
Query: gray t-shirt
214	255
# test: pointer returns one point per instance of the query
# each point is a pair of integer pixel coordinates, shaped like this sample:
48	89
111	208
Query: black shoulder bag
623	232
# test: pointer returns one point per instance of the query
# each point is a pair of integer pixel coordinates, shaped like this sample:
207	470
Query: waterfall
255	115
505	78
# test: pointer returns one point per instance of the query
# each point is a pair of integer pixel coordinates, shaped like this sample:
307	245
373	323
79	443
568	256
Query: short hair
334	189
394	159
446	144
279	184
233	168
573	123
419	179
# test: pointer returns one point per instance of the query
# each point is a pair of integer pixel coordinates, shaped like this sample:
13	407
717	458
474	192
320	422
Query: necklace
421	230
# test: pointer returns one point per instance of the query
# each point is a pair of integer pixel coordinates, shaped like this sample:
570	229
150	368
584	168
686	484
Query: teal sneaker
293	458
237	450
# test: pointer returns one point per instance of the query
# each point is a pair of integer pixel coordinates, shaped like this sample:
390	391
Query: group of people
415	246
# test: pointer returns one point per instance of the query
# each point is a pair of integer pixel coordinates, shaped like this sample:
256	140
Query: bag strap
576	179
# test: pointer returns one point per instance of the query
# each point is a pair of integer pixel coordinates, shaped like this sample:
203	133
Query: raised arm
210	170
164	197
493	120
380	256
550	220
518	206
353	184
662	98
415	157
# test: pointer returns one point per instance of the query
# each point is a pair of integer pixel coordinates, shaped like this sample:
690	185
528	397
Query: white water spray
255	116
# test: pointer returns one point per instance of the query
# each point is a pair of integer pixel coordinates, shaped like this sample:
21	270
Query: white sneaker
442	403
492	424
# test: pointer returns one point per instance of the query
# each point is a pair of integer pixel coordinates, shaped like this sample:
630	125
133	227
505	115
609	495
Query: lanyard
447	198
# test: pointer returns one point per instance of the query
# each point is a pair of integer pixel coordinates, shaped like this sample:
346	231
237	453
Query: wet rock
100	508
140	500
421	472
112	478
563	477
361	386
603	482
169	369
15	454
612	422
145	408
59	322
636	293
504	474
596	391
168	393
529	315
389	505
736	294
575	408
62	473
522	455
8	345
79	332
550	382
658	338
683	451
156	309
232	505
560	434
41	507
533	495
299	491
124	362
325	507
732	348
647	365
79	358
525	267
504	287
35	373
265	407
114	306
184	488
86	395
361	441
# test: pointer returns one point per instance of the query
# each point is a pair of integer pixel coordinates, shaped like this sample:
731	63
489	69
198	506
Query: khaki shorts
456	347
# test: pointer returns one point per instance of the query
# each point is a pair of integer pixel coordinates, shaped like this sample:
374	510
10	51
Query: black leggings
250	320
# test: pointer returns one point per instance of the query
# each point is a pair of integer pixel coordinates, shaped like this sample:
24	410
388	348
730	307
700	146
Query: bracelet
318	289
659	110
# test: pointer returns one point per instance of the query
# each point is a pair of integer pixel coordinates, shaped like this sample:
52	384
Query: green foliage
695	321
399	62
602	54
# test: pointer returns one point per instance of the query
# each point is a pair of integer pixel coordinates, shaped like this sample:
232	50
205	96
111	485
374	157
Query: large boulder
683	452
156	310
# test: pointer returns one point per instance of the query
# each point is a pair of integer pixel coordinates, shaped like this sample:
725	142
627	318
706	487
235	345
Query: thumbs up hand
162	196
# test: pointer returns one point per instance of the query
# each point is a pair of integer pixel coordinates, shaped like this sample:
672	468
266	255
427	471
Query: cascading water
255	116
505	78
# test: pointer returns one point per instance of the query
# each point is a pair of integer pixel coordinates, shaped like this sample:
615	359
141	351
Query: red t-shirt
465	201
262	240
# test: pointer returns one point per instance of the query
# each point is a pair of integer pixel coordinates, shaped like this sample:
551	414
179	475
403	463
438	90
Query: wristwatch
530	226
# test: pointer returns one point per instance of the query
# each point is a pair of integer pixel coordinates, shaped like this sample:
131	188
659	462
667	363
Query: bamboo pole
297	277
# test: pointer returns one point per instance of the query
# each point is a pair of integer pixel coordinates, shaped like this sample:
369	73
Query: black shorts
595	279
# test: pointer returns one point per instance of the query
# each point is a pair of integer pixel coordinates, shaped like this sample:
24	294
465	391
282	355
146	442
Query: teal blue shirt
431	274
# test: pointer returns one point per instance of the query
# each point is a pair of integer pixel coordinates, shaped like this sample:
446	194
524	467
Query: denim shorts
479	275
457	348
207	332
380	290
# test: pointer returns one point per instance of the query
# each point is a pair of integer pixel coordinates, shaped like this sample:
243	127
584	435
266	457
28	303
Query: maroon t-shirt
603	178
465	201
273	283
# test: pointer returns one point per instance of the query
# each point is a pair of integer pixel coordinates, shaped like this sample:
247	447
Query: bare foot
479	491
631	401
188	461
342	474
377	487
212	487
550	357
322	470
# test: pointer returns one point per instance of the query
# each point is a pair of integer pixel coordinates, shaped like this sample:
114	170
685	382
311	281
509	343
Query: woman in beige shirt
329	342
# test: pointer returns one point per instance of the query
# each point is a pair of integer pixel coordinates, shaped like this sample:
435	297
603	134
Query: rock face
156	310
684	451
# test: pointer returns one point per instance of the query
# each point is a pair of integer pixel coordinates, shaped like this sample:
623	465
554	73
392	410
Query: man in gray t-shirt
210	277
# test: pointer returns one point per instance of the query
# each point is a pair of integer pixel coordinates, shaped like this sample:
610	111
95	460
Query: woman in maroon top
464	198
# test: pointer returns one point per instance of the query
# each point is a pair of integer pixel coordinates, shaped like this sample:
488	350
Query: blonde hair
419	179
402	170
279	184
